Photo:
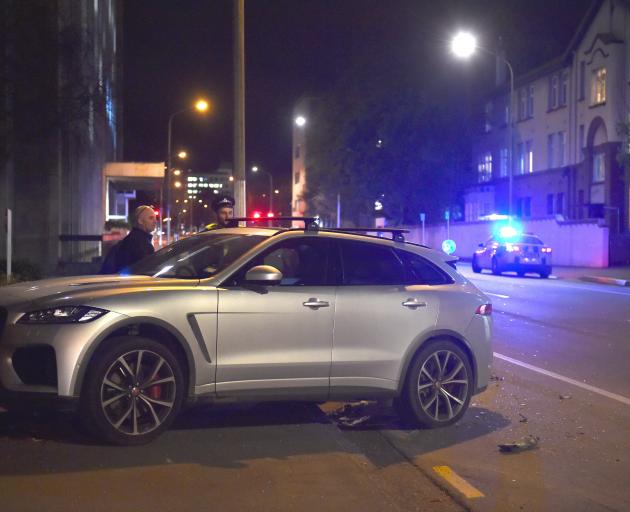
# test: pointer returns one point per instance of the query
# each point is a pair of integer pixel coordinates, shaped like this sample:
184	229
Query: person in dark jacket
136	245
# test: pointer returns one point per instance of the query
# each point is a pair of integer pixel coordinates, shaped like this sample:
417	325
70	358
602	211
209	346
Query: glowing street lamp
300	121
464	45
202	106
182	154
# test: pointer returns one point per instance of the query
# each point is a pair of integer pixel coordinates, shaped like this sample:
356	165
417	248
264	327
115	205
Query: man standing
136	245
223	207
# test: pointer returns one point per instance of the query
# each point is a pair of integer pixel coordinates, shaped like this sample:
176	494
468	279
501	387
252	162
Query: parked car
520	253
249	314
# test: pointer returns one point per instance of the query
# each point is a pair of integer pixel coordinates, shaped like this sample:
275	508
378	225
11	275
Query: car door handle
414	303
314	303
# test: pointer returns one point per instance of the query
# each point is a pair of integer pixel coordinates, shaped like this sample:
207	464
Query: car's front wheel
133	390
475	265
438	387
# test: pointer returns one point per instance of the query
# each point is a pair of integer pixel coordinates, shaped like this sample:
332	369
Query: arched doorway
598	166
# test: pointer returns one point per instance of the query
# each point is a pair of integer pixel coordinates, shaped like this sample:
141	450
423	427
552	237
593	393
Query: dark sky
177	50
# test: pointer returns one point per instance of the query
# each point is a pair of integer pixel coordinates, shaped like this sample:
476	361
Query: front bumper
69	345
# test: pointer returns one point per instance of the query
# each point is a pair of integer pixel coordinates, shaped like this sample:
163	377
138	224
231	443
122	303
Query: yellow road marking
458	482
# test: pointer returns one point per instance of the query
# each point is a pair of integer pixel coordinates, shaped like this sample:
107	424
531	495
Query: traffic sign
449	246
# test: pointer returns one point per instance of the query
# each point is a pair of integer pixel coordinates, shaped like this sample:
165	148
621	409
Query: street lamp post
257	169
464	45
200	106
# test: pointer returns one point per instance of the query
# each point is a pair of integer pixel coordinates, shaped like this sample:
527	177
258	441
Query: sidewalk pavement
618	276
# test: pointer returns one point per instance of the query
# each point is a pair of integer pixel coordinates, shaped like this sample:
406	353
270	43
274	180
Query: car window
302	261
419	270
530	240
369	264
197	257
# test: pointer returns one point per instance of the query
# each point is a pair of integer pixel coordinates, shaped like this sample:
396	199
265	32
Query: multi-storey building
566	131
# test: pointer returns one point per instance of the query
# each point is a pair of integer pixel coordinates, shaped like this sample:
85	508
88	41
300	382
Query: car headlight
62	315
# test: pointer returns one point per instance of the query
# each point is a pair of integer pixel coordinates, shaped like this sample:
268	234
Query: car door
278	339
380	312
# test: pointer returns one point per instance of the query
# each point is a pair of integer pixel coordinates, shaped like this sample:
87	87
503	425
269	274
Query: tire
118	404
475	266
520	273
495	267
545	274
427	400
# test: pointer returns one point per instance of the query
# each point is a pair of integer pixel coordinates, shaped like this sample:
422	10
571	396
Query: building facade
60	122
565	132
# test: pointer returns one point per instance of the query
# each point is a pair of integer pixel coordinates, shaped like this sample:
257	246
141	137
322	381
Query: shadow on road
222	436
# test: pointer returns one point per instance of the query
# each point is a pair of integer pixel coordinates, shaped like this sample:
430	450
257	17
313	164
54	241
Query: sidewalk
619	276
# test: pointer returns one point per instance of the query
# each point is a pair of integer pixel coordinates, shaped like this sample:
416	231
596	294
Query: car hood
69	289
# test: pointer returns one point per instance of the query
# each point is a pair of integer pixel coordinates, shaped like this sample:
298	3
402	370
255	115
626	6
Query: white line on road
588	387
498	295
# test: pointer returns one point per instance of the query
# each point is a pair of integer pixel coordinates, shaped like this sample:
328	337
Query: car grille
3	319
36	366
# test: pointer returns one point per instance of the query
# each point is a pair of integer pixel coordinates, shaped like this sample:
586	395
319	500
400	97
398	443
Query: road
560	352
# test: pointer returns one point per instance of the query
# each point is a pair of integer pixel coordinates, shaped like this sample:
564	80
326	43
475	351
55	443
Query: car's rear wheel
475	265
495	267
438	387
133	390
545	274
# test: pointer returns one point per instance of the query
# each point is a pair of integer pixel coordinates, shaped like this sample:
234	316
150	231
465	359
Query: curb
605	280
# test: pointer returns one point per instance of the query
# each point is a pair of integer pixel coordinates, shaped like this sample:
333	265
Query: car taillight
512	248
546	249
484	310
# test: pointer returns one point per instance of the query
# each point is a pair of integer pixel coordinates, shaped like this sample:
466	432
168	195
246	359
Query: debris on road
359	413
564	397
496	377
528	443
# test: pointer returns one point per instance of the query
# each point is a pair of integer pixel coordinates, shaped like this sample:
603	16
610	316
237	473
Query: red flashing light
270	215
257	215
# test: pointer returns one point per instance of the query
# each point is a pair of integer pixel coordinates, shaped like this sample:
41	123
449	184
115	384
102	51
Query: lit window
484	168
529	155
598	94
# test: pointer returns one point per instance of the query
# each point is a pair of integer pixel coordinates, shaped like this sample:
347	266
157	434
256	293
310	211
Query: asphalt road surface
561	349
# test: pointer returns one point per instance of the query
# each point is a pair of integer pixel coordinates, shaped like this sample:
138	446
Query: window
553	92
503	162
484	168
550	204
418	270
581	197
560	202
303	262
370	264
488	117
582	90
530	101
527	207
522	104
529	157
599	168
598	93
561	148
564	87
520	150
581	139
551	150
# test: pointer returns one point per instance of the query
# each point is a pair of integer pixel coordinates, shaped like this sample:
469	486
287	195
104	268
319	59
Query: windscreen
197	257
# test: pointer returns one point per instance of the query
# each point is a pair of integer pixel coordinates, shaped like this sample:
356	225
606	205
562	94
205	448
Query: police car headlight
62	315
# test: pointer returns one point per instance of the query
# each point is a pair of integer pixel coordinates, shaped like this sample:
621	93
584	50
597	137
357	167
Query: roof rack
310	223
398	234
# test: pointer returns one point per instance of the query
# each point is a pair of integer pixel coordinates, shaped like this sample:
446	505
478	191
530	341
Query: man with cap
223	207
136	245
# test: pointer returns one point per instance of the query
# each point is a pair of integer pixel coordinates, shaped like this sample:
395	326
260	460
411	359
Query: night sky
175	51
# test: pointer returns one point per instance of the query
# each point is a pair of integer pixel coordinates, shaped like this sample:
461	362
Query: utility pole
239	108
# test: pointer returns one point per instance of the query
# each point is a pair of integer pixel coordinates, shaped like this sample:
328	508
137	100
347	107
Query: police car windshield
197	257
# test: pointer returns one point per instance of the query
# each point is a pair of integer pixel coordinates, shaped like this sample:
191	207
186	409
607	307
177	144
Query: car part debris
528	443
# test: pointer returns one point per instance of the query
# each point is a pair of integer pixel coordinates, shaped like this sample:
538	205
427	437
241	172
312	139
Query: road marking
498	295
568	380
458	482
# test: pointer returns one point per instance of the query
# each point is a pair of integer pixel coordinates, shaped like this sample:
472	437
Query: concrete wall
580	244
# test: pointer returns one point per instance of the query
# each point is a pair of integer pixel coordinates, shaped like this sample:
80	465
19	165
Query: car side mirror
263	274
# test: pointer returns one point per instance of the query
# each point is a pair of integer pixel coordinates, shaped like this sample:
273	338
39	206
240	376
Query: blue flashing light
506	231
449	246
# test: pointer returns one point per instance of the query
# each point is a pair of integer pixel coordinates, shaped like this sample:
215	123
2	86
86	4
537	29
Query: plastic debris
528	443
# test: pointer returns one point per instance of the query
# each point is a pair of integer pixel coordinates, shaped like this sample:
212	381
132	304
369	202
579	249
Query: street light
463	46
300	121
200	106
257	169
182	154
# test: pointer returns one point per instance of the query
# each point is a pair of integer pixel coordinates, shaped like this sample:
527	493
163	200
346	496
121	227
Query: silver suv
249	314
